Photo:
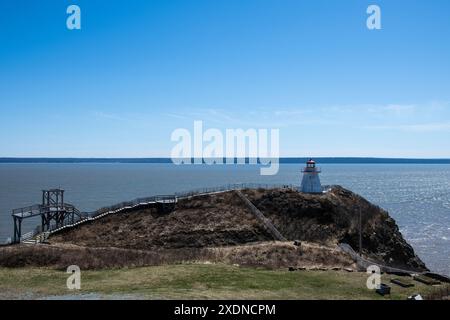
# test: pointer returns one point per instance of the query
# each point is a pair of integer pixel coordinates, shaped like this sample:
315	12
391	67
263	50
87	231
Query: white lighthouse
311	181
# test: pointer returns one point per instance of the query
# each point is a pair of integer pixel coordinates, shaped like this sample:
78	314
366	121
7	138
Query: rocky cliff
334	217
225	220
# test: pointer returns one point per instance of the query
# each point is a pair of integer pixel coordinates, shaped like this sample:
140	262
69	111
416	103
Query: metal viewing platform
57	215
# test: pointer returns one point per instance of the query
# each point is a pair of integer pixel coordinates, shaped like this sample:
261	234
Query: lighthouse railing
312	170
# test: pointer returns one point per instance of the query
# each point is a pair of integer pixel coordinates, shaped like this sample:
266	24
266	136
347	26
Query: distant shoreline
283	160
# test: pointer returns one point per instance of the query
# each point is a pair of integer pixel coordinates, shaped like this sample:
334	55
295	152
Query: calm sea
416	195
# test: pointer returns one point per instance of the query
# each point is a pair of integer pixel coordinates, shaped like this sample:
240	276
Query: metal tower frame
53	212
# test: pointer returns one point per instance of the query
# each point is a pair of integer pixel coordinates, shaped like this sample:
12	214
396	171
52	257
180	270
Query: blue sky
140	69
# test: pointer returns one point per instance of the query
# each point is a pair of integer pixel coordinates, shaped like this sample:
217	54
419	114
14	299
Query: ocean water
417	196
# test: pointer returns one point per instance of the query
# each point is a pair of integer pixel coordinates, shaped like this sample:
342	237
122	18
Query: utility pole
360	231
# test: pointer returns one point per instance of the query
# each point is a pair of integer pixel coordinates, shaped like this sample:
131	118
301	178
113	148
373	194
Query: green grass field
196	281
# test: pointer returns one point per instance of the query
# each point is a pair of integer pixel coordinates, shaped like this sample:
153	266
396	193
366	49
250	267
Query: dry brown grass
282	255
216	220
271	255
60	257
439	293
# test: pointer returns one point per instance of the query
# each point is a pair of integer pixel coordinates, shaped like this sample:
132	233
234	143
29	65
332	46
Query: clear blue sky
140	69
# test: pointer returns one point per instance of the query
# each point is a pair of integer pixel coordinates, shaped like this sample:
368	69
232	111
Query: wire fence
133	203
232	187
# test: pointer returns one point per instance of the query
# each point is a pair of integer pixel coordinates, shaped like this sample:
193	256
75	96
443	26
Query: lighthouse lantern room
311	180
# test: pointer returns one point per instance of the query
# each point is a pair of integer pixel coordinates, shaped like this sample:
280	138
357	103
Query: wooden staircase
260	216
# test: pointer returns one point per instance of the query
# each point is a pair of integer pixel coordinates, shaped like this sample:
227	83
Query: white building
311	180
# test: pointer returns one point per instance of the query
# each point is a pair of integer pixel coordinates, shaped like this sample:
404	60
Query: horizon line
281	160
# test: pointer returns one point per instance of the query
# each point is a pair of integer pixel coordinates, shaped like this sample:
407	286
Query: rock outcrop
225	220
334	217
